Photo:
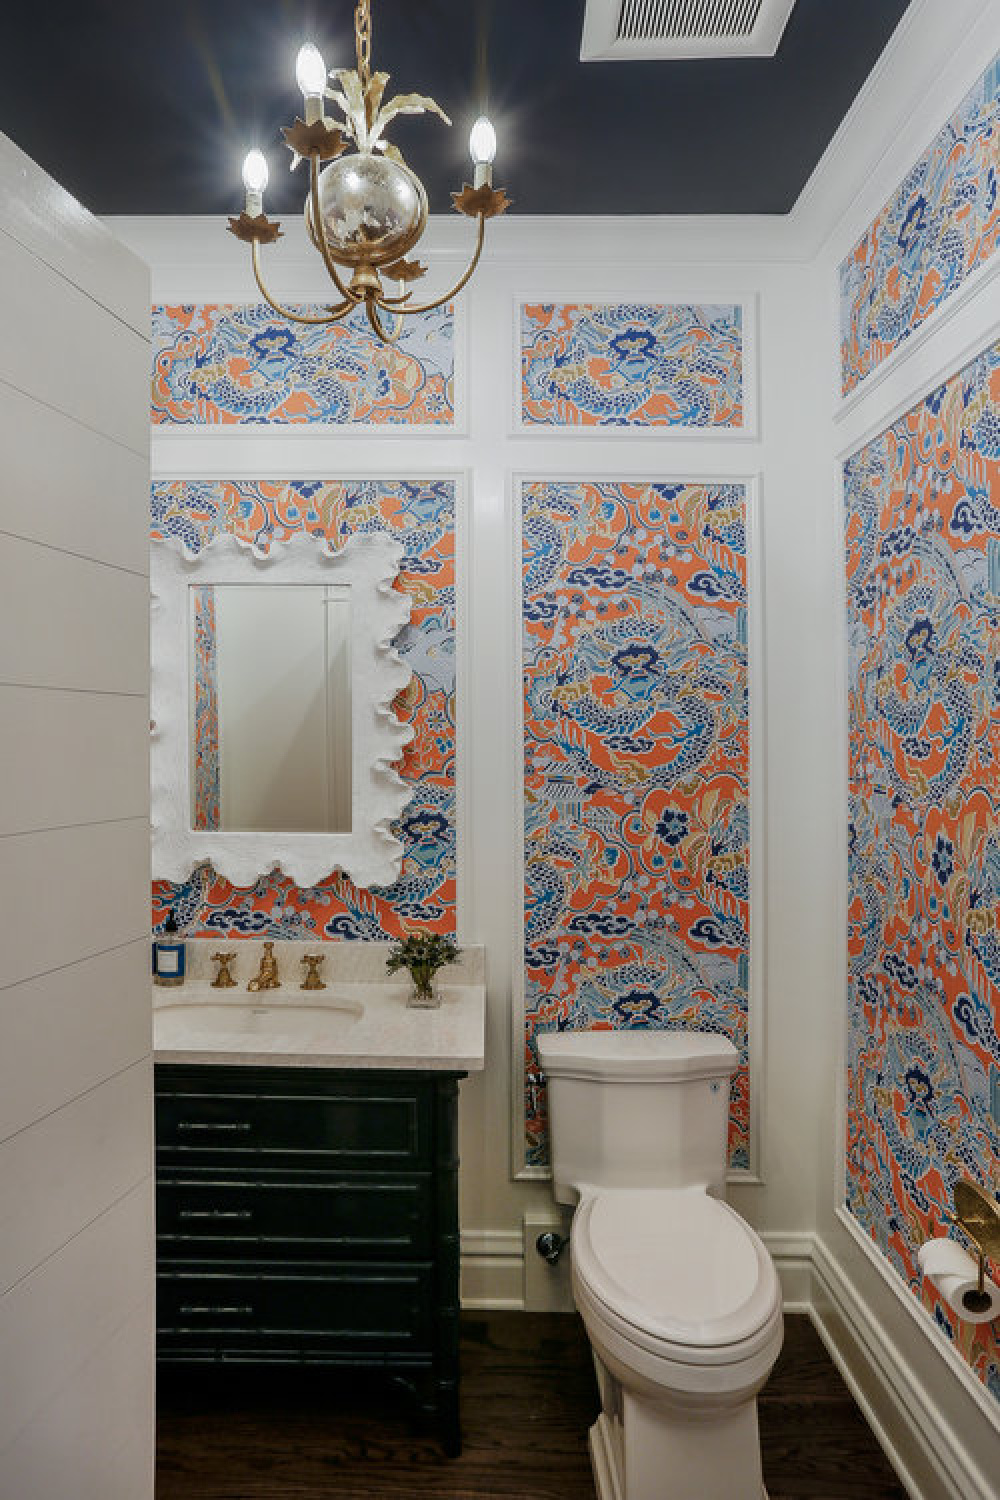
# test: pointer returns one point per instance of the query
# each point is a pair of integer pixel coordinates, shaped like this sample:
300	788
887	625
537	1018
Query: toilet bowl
678	1295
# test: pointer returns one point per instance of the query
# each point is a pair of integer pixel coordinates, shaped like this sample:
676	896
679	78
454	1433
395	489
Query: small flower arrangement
422	953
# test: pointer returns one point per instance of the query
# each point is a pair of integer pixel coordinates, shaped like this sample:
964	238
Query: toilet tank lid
650	1056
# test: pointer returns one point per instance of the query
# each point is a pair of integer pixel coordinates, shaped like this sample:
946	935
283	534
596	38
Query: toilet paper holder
977	1215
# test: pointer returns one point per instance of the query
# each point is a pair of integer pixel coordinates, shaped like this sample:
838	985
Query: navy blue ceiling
153	104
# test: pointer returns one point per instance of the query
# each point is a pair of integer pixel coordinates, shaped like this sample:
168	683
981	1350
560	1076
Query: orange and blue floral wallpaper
421	513
223	364
207	798
636	767
922	509
631	365
940	225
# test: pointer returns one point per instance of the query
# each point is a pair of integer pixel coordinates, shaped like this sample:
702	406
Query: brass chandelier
365	209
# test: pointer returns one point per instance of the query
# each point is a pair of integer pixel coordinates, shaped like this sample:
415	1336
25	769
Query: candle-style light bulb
482	149
255	181
310	75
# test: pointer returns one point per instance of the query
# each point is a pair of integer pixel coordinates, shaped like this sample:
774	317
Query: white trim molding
672	473
678	295
922	1318
906	1417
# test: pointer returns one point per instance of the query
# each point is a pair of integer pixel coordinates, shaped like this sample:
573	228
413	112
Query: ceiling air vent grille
626	30
686	20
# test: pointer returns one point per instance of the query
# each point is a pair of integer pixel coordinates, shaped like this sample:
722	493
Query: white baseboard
792	1256
492	1274
498	1273
926	1452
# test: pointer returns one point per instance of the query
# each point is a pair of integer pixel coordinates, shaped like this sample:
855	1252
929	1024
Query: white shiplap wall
76	1257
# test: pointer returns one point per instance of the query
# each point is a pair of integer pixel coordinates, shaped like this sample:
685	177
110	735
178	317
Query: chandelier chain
363	41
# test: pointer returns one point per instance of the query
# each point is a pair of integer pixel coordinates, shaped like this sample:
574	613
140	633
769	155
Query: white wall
194	261
916	1398
934	1417
76	1368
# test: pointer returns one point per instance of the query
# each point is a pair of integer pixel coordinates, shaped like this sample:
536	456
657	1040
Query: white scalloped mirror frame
369	854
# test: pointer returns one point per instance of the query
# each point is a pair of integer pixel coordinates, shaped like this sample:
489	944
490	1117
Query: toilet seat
677	1274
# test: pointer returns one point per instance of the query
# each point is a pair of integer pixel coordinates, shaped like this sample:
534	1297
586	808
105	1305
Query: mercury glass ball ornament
372	209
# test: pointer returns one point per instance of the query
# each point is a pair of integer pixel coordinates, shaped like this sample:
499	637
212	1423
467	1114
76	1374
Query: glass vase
423	994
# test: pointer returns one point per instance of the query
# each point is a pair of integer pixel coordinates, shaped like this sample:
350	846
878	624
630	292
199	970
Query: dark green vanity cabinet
310	1216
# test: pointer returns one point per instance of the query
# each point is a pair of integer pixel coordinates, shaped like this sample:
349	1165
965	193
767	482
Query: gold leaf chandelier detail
366	209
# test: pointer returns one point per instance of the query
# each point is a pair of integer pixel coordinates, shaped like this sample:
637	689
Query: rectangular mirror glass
270	707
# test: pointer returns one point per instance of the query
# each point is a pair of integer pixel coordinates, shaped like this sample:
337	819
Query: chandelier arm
376	322
333	316
459	284
395	301
319	234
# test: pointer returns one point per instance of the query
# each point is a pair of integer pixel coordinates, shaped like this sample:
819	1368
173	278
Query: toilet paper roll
955	1273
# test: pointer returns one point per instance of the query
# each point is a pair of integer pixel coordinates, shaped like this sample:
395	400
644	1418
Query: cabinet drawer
355	1307
211	1214
205	1115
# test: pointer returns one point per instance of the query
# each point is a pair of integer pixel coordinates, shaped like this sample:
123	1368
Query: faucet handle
312	980
223	979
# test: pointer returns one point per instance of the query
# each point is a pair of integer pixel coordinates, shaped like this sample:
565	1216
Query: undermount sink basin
179	1024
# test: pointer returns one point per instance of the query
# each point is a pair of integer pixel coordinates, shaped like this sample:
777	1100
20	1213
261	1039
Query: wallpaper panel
422	515
206	768
636	767
923	602
223	364
631	365
940	225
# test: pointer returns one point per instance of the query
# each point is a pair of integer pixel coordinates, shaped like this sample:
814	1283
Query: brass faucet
223	979
267	975
977	1214
312	980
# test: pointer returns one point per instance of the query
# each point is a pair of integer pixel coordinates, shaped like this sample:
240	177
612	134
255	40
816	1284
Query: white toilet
678	1294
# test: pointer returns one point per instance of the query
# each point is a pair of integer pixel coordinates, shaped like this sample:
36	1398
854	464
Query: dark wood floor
528	1399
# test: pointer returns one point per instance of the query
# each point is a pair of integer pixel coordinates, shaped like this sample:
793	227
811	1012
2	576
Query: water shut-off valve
551	1245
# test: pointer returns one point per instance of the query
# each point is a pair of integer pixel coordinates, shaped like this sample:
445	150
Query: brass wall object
977	1214
223	979
312	980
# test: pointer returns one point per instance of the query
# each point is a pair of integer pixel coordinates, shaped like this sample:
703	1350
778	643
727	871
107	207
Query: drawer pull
215	1213
193	1309
238	1125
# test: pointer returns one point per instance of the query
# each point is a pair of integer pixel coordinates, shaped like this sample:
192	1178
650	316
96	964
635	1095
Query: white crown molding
936	53
933	58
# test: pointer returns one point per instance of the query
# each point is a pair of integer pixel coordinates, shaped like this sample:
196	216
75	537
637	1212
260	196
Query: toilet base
646	1447
604	1460
604	1442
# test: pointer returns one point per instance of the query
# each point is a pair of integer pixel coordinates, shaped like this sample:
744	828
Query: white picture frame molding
751	484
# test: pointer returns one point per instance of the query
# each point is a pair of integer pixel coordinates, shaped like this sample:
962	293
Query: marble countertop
361	1021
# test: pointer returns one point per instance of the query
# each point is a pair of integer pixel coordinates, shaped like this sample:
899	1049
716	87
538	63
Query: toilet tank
637	1109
